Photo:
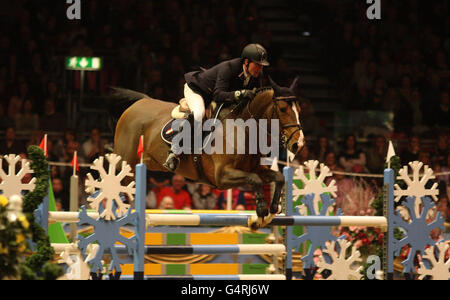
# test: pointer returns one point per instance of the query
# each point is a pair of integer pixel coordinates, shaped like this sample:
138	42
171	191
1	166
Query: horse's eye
283	109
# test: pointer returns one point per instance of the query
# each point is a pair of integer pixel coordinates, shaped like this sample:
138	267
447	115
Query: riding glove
245	95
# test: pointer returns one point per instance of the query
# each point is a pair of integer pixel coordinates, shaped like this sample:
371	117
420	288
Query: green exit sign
83	63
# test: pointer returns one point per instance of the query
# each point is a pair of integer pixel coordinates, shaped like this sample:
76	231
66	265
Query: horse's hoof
254	226
277	211
261	210
261	221
268	220
253	223
172	162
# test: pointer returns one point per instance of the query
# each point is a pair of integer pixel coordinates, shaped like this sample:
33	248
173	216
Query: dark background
387	77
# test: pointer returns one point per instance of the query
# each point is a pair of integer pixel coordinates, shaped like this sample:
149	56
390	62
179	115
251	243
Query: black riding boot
173	160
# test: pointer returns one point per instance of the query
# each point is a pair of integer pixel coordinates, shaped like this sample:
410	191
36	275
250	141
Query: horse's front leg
268	176
231	178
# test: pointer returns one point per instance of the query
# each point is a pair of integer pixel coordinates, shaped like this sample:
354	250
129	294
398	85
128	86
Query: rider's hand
245	95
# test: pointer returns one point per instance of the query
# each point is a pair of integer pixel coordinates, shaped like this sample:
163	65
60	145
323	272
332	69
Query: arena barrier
106	231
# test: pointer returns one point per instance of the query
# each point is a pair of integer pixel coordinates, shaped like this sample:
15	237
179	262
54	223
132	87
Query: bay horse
147	116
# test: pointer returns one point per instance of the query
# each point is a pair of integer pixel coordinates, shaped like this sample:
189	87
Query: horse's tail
126	95
118	100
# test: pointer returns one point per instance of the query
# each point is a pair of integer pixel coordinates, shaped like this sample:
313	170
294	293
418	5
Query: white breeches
195	103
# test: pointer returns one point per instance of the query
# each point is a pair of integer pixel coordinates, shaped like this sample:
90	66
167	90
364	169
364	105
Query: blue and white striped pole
141	187
389	184
288	177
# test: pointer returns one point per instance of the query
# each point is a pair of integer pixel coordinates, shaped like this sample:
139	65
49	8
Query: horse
147	116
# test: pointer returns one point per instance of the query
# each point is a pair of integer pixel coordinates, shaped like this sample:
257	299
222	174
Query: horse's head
287	108
281	103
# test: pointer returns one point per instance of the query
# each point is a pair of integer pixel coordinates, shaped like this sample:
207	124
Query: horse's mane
263	90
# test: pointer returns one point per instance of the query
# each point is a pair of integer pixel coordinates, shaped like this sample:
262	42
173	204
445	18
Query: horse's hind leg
231	177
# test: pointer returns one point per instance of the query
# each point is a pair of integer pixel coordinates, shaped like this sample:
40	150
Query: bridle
284	138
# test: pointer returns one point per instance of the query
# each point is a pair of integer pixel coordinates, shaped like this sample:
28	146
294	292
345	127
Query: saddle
182	111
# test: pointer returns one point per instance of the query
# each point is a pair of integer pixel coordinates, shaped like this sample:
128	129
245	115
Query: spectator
14	107
391	99
310	122
431	97
36	138
158	181
204	198
54	95
304	155
237	199
330	161
79	47
181	198
150	200
5	121
352	158
344	186
167	203
443	207
71	147
442	180
376	97
411	153
60	194
51	120
376	155
94	146
446	168
442	113
69	135
11	145
250	198
28	120
51	150
442	151
322	148
425	157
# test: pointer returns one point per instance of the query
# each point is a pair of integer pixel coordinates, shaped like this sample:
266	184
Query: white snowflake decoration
440	269
341	267
416	185
110	187
315	184
11	183
78	269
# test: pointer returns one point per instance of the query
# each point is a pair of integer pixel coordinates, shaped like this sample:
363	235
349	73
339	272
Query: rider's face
255	69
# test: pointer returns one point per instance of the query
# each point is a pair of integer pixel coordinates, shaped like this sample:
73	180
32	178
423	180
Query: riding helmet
256	53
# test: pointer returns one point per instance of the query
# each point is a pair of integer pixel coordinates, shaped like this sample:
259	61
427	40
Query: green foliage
13	235
38	265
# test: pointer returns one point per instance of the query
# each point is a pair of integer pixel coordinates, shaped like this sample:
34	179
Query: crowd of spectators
399	64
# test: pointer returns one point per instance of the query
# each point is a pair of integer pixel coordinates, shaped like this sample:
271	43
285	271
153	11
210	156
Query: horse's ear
294	83
275	86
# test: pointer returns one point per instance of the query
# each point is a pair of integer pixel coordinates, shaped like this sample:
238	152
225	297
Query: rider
233	80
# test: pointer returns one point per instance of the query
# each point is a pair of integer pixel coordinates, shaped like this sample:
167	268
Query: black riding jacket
221	81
